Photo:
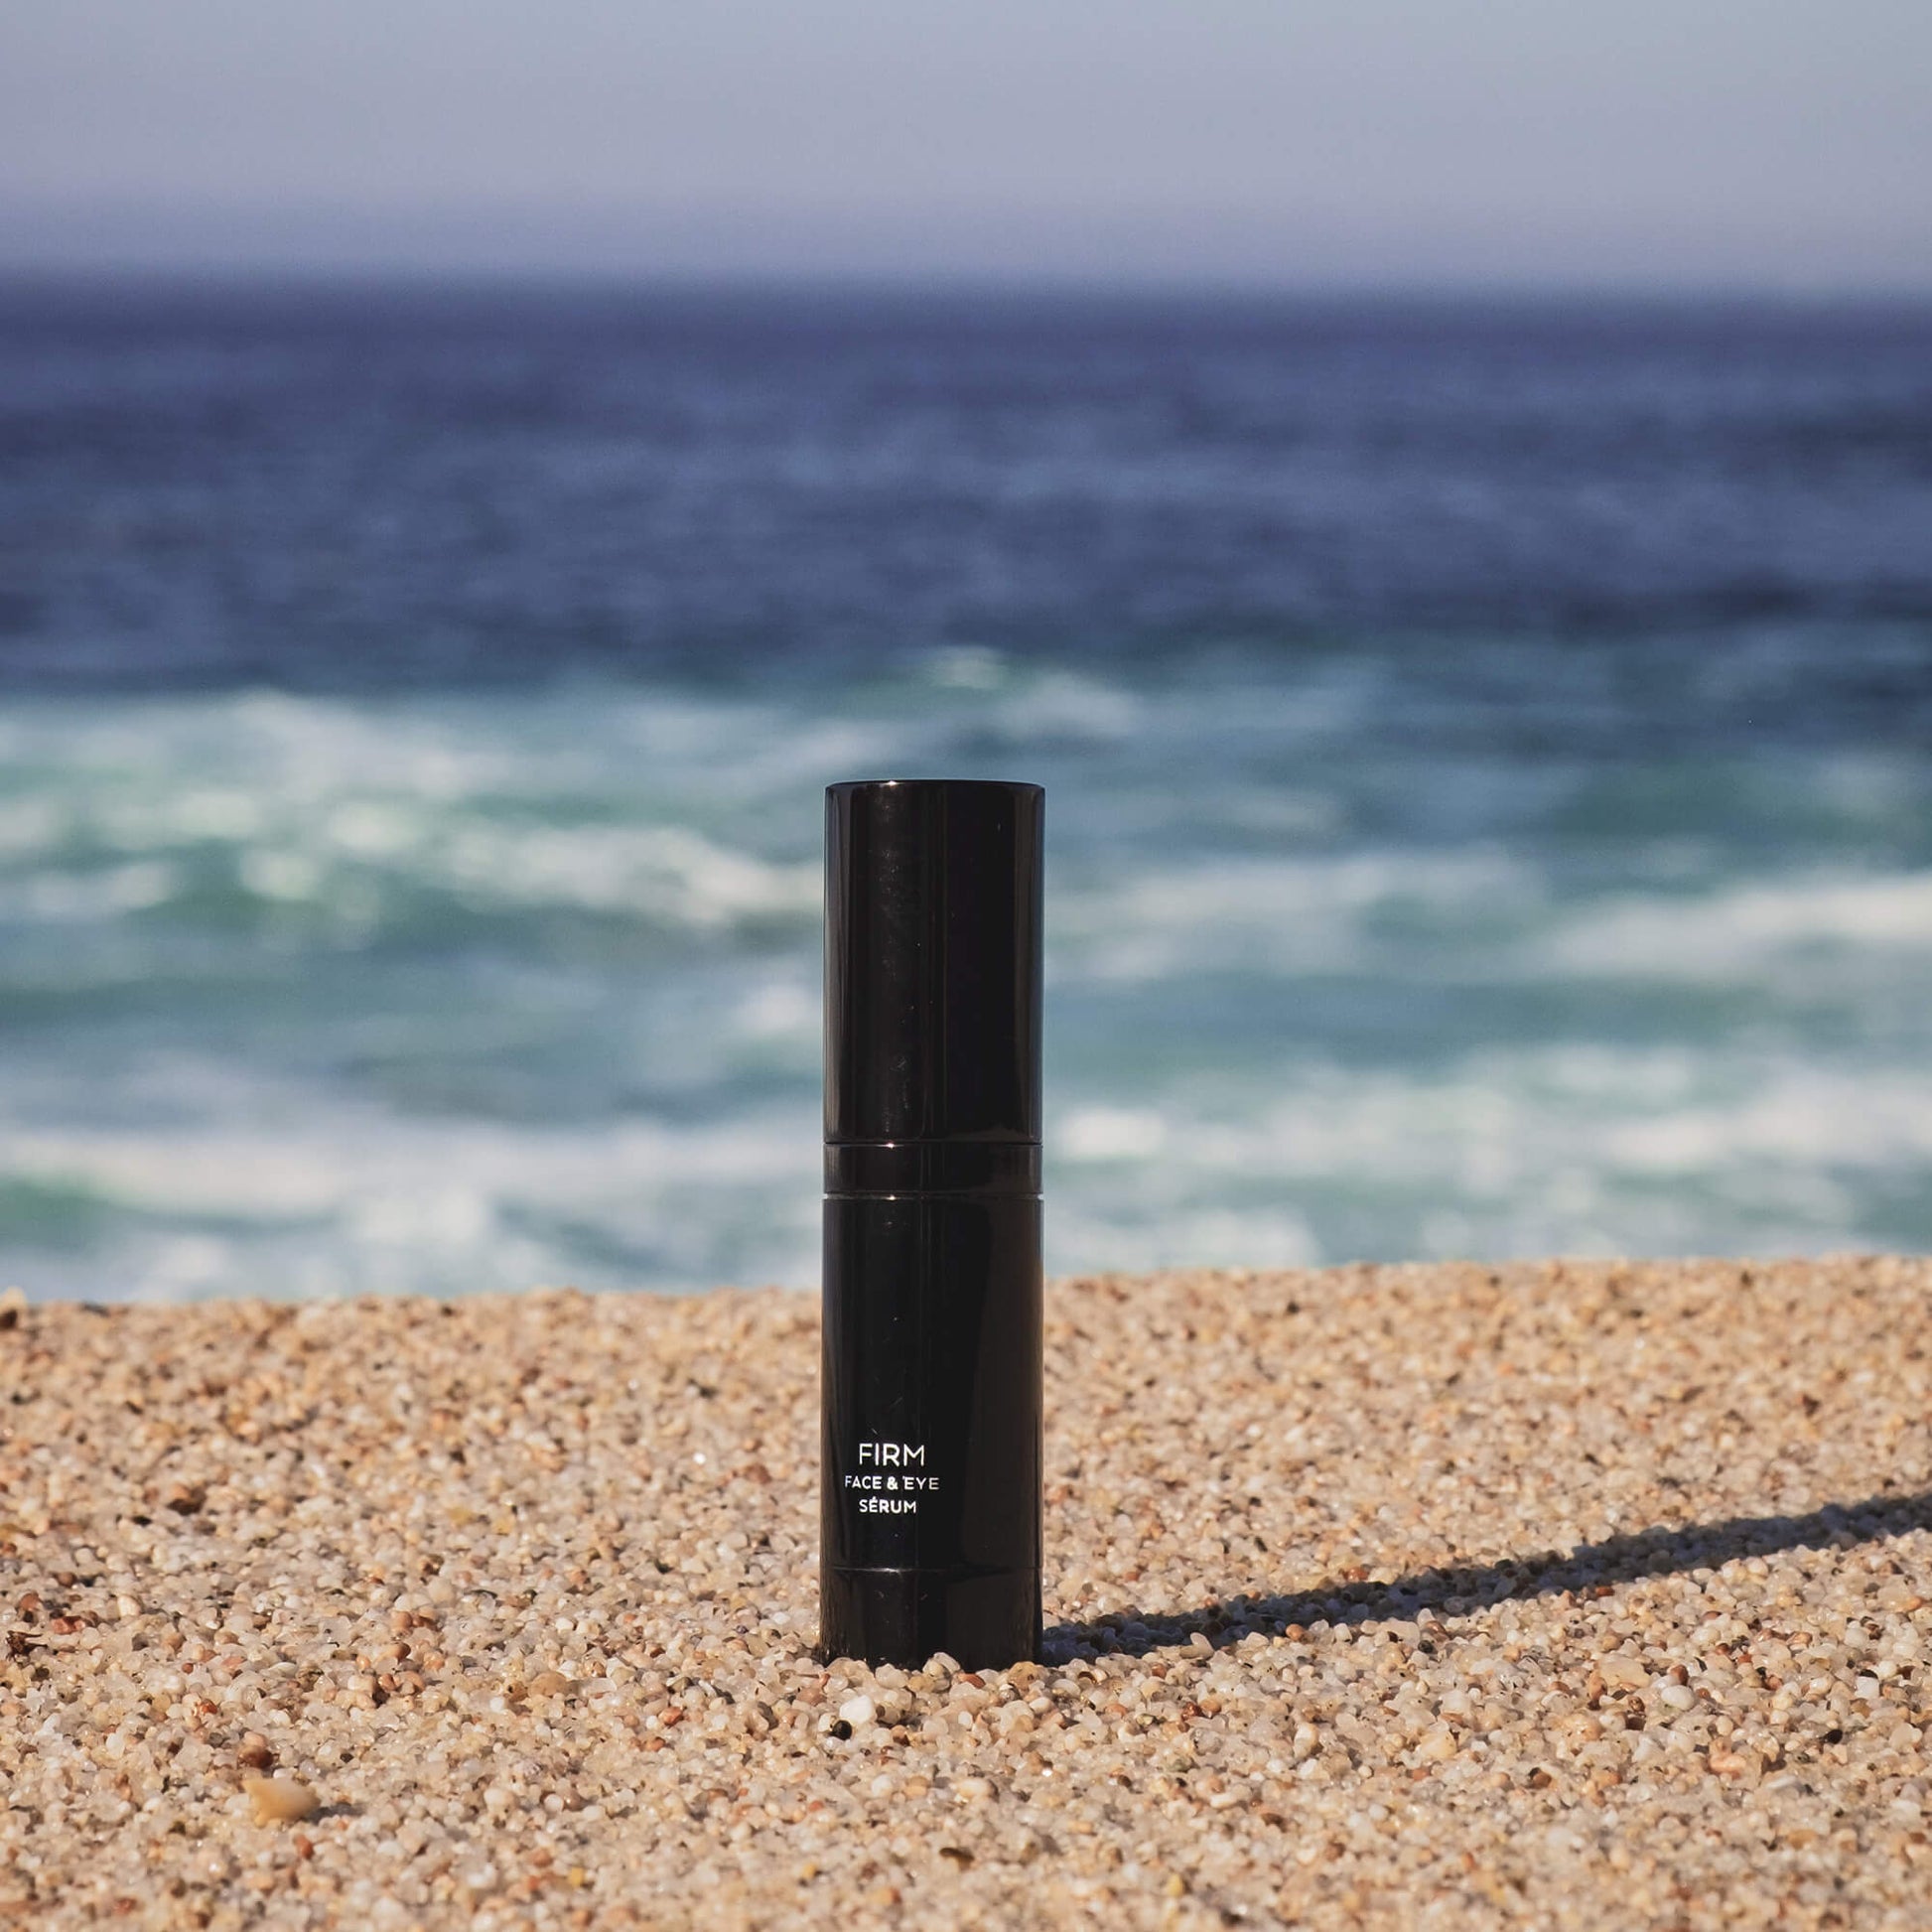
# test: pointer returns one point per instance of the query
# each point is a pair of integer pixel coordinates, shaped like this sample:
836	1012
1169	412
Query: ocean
1488	753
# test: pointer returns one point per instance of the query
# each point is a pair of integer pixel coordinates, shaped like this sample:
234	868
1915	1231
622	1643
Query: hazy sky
1782	142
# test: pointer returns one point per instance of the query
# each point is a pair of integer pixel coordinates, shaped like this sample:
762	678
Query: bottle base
903	1616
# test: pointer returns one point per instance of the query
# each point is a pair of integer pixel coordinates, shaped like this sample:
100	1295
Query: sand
1414	1597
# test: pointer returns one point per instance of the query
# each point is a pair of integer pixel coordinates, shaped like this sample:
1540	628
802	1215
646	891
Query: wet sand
1563	1594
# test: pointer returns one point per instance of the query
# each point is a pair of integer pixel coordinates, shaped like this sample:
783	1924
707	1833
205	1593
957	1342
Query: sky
1783	144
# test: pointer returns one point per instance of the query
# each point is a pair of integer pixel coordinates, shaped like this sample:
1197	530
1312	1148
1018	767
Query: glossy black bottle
930	1472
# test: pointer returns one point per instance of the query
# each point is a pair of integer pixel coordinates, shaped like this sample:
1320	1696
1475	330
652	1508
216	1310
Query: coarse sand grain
1422	1597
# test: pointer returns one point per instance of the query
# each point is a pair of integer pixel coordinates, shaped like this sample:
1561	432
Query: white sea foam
1111	1134
1066	705
663	873
30	826
98	893
1207	1237
314	793
781	1010
1745	930
1495	1122
968	668
375	1203
1279	915
1525	1151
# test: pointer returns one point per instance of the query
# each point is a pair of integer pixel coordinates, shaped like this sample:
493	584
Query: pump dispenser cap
933	971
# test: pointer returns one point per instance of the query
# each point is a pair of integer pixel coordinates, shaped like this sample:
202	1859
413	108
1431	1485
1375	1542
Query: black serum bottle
931	1470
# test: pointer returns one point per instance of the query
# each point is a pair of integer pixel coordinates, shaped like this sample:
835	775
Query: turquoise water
315	993
1490	809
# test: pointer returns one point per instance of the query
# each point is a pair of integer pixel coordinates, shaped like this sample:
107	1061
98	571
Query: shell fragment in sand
279	1801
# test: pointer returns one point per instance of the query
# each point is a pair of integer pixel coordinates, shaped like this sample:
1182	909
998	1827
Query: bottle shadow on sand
1458	1591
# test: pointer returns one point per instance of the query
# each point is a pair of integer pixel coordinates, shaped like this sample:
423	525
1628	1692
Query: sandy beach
1562	1595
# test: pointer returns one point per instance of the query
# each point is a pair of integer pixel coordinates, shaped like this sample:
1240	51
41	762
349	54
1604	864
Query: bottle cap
932	961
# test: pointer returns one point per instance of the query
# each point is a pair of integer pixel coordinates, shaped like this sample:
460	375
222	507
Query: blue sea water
1489	795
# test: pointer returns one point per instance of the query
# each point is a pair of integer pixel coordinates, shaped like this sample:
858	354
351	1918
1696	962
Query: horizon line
241	277
1311	250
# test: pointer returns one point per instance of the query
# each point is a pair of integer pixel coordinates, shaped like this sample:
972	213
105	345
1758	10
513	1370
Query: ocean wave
1744	930
1314	914
1066	705
452	991
367	1201
1566	1147
98	893
358	810
1496	1121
